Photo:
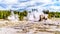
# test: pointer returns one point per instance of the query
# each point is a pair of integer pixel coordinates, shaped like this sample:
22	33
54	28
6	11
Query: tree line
52	14
5	13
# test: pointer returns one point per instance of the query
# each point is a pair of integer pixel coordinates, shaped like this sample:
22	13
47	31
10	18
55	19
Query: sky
52	5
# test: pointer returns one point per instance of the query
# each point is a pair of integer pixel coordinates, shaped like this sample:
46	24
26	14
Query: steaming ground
26	27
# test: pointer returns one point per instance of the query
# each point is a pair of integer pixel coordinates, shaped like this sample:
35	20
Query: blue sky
52	5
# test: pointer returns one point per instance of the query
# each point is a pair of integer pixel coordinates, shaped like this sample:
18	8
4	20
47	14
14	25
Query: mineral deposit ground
28	27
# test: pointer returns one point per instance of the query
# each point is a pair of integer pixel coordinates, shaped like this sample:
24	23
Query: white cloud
29	4
2	8
55	7
10	1
44	1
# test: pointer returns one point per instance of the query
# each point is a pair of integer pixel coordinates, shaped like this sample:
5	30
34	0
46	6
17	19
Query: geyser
33	15
13	17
